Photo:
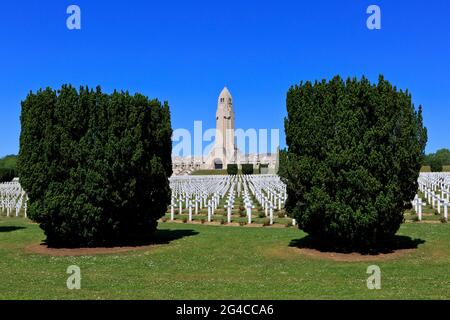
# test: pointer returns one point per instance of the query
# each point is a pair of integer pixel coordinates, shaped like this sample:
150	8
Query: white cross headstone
438	200
249	207
419	213
266	207
229	206
271	212
172	211
210	206
190	206
446	204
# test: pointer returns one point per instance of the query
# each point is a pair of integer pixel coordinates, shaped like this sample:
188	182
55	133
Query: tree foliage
8	166
438	160
7	175
8	162
232	168
354	154
247	168
95	166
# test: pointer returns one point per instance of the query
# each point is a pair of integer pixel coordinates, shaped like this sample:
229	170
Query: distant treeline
8	166
437	161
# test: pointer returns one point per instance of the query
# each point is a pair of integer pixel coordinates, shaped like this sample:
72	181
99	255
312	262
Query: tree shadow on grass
166	236
9	228
398	243
159	237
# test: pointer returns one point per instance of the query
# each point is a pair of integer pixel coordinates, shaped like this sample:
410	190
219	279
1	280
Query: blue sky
186	51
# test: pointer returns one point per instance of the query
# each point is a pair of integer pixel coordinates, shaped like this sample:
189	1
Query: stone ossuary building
224	151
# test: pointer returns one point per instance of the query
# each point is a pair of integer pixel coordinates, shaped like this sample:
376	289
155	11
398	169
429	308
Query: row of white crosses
266	189
198	192
248	204
229	205
191	192
13	198
435	187
269	192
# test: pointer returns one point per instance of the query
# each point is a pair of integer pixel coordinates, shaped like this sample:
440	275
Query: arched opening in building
218	165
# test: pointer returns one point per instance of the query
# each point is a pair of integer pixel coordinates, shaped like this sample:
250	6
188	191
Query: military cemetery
248	199
232	196
196	168
240	208
202	213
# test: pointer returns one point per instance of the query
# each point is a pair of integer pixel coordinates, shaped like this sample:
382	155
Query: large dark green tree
354	152
95	166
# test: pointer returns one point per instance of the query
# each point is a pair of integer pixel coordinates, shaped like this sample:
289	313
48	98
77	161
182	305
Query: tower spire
224	148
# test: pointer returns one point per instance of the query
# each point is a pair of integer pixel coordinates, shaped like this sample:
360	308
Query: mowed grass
217	262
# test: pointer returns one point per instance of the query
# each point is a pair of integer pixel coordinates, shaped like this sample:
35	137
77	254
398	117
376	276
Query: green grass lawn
215	262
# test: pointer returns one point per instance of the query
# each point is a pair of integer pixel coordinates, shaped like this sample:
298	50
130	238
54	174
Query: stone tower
224	151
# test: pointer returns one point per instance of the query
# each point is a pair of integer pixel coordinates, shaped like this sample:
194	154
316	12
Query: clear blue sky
186	51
